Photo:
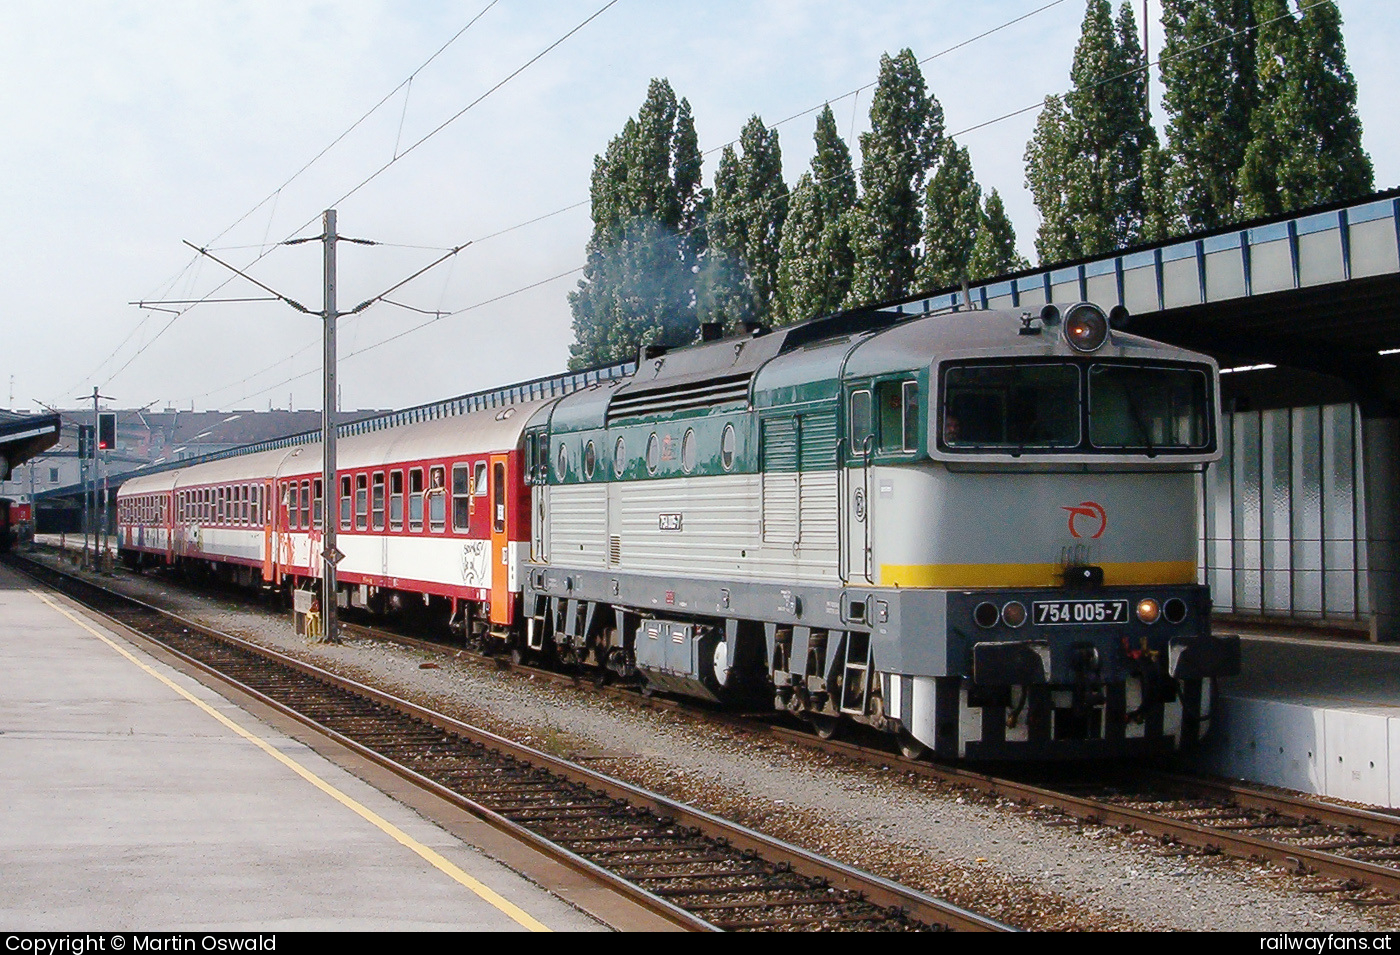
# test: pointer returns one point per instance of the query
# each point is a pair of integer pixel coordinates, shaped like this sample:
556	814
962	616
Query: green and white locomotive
974	530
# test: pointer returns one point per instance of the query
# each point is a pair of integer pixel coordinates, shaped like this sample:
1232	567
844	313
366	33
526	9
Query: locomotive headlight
1013	613
1174	610
1148	610
985	615
1086	328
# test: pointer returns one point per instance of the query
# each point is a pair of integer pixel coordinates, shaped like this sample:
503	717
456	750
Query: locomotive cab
1046	506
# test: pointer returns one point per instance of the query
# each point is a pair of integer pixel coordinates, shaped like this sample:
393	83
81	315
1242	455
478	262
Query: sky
128	129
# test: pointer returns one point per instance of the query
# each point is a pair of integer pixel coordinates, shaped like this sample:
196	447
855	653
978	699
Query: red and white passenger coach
430	511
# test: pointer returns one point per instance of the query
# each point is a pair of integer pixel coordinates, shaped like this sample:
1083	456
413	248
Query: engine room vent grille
691	396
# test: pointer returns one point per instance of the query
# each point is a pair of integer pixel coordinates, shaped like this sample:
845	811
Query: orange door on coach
501	604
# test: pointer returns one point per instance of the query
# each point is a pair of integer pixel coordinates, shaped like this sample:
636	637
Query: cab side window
861	425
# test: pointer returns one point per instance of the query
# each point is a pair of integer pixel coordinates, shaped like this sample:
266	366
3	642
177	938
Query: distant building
150	437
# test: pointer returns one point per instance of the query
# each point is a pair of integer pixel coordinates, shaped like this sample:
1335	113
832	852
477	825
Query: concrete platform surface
132	797
1319	716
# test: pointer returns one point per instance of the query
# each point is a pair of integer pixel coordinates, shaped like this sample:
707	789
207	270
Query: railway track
1355	852
697	870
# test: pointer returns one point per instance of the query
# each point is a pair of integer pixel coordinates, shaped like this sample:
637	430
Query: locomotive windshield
1000	406
1147	409
1075	406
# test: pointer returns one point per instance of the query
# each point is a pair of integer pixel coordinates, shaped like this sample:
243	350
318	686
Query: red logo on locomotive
1090	511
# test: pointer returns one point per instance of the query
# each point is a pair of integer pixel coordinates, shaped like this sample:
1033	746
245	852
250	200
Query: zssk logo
1089	515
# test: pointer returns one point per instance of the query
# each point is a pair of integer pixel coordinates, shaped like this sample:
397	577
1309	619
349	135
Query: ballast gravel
1029	868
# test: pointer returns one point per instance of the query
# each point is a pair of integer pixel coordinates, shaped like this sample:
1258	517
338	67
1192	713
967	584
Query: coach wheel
909	747
517	655
825	726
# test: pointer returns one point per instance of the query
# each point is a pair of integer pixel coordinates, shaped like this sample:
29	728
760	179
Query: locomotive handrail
867	452
843	504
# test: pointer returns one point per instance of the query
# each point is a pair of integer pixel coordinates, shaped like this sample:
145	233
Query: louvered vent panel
688	397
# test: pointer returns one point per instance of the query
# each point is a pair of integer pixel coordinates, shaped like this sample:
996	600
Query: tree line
1260	119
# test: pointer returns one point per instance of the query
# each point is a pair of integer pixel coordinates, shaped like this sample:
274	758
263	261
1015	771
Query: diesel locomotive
972	530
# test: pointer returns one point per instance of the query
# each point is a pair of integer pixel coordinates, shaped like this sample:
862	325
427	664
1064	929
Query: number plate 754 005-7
1054	612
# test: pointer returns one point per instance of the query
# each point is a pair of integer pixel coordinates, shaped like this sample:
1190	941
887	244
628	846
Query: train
972	530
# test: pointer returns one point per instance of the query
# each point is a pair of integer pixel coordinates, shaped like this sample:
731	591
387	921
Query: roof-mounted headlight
1086	328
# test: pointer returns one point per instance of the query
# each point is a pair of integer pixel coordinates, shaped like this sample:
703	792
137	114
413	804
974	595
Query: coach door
500	541
266	512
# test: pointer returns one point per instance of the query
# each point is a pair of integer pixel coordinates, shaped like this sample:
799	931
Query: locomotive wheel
909	747
825	726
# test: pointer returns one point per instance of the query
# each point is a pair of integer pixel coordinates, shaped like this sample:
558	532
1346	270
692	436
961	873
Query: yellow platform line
433	858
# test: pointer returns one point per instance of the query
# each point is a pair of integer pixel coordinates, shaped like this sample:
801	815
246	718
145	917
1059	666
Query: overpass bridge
1299	520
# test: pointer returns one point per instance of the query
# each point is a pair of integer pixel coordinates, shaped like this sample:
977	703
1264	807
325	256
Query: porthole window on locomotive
562	468
688	450
619	456
727	446
653	453
590	460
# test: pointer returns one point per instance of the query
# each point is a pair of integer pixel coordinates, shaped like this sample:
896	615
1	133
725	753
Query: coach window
479	479
377	501
306	505
361	502
437	499
255	506
860	421
395	500
415	499
345	503
461	497
317	504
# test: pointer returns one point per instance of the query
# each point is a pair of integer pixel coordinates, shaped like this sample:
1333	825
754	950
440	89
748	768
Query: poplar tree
952	220
816	262
744	229
647	205
1209	92
906	134
1085	160
994	251
1305	136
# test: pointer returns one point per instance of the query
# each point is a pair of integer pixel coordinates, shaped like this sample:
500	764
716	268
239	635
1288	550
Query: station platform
1318	715
136	798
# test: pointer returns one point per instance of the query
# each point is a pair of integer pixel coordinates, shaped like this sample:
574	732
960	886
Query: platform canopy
24	436
1315	293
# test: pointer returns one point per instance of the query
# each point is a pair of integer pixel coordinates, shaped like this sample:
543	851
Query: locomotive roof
859	344
915	343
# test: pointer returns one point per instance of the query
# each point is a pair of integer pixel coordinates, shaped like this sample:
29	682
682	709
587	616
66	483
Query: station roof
24	436
1311	294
